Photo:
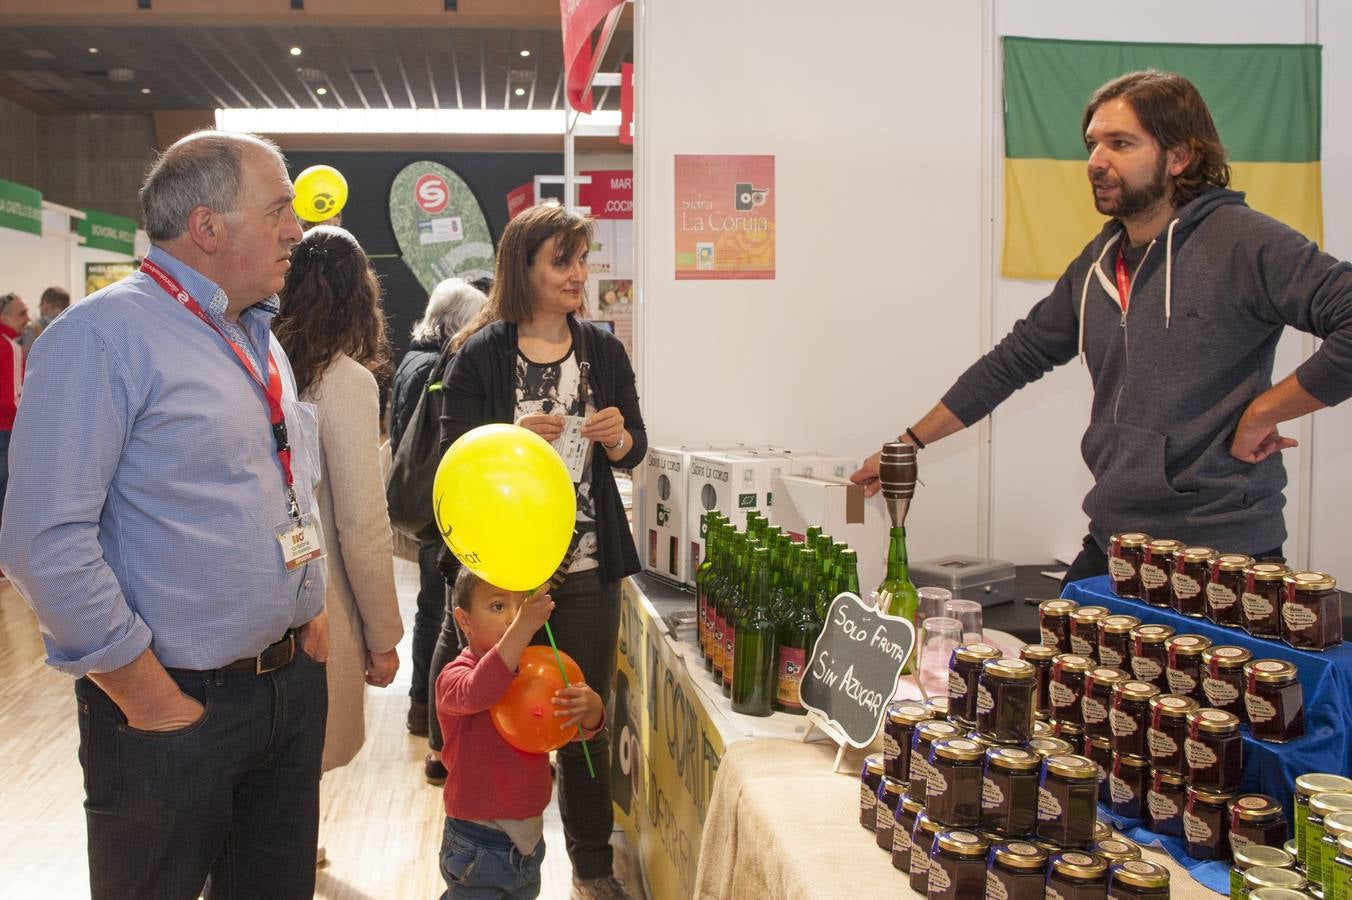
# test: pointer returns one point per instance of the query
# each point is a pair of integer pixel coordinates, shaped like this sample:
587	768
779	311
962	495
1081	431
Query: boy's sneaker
433	770
608	888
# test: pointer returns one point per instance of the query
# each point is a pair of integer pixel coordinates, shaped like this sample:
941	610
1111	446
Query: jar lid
1118	624
1259	855
1117	849
1049	746
1057	608
1290	848
1013	758
911	805
1130	761
1173	705
1328	804
1232	562
1020	855
893	786
1043	728
1215	798
1089	614
1130	539
1073	662
1213	721
927	825
932	730
874	764
962	842
1312	783
1173	779
1187	644
1139	873
1038	652
1270	671
1135	690
1278	894
936	705
1194	554
1310	581
1273	877
1254	807
1069	731
1226	657
1151	634
1266	571
908	714
958	750
1163	546
1338	824
975	653
1345	844
1102	830
1009	669
981	740
1069	765
1100	743
1077	864
1106	675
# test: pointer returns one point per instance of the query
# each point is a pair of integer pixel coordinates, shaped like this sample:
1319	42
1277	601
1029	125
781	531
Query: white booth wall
30	263
885	121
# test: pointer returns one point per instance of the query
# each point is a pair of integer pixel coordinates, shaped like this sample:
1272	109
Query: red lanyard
1123	280
272	390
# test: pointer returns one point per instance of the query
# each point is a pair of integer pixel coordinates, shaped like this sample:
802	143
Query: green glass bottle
897	595
723	595
703	577
735	609
753	685
797	635
810	538
849	567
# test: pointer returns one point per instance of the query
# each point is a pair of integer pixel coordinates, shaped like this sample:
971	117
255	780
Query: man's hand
1255	441
177	712
380	667
1256	436
314	637
868	475
547	427
605	426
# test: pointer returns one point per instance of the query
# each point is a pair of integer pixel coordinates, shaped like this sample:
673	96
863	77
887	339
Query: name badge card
573	447
300	542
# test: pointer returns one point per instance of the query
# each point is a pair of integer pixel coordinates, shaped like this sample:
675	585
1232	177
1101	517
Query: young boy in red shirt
496	794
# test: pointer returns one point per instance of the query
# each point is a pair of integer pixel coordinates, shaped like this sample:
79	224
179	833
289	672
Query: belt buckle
285	649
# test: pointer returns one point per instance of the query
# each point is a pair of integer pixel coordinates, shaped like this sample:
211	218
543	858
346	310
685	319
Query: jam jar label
1297	617
901	839
891	749
1049	637
1054	894
1256	606
1120	569
1119	790
920	768
935	784
991	795
1195	830
957	685
1160	806
996	889
1219	692
1152	576
1094	711
939	879
984	701
885	817
1218	596
1081	646
1259	709
1121	723
1160	744
1109	657
1240	842
1180	682
1145	668
919	861
867	799
1199	755
1048	807
1185	586
1060	694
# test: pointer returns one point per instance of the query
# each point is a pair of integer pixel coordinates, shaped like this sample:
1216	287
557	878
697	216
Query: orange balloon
525	714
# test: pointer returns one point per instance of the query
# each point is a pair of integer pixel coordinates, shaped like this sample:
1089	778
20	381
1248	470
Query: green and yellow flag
1265	99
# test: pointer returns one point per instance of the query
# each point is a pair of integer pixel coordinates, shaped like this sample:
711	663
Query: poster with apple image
439	225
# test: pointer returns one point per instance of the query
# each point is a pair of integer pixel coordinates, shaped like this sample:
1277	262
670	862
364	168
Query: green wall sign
108	232
20	207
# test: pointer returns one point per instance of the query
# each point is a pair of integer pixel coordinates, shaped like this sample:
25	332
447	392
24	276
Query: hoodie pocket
1130	481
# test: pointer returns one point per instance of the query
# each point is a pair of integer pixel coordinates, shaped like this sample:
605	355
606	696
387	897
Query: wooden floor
381	823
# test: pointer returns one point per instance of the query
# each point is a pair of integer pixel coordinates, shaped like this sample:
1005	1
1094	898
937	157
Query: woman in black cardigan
521	360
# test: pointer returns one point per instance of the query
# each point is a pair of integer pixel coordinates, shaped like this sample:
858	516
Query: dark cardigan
480	388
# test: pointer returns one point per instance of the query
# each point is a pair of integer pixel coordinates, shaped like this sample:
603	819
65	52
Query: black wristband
919	444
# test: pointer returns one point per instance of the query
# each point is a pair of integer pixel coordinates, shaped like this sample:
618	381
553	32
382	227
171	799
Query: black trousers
1092	561
427	621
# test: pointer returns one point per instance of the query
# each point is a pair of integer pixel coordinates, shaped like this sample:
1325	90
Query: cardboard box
843	513
662	522
829	468
734	483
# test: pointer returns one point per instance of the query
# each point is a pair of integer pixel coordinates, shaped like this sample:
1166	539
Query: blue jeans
4	466
482	862
230	802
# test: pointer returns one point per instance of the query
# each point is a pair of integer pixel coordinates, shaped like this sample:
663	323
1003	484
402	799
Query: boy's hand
579	705
534	612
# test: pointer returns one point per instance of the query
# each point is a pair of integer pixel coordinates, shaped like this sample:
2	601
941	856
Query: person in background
333	329
452	303
172	564
51	304
13	318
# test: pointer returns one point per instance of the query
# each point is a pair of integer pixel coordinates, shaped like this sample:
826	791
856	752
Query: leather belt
273	657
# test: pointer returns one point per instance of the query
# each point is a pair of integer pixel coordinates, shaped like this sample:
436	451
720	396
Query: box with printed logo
662	522
732	482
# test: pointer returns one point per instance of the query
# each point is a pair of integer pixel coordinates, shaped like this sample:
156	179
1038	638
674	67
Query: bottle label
1109	657
1152	576
1061	695
1094	711
1160	806
991	795
1198	755
939	879
1185	586
1081	646
1259	709
1161	745
792	662
984	701
867	799
901	838
957	685
995	887
935	785
1297	617
1121	723
1048	807
1049	637
1195	830
1218	596
1120	569
891	749
1180	682
885	817
1219	692
1145	668
1119	790
1256	606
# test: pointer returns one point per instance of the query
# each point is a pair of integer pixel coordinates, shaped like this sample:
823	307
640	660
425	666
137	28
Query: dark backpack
408	487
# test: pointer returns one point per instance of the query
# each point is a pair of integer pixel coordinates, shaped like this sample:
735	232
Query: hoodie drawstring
1084	291
1096	270
1169	273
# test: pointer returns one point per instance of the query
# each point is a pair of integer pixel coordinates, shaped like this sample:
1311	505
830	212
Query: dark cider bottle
753	681
797	635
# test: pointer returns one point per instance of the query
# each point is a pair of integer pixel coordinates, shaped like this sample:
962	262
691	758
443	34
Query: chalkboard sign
854	667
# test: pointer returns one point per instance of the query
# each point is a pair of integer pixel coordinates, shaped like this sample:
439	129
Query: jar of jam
964	670
1256	820
938	706
1223	681
1070	733
1168	730
1322	808
1129	716
1165	802
1261	601
1213	751
1114	647
1100	750
1073	875
1135	879
1338	885
905	815
1040	656
1004	700
1116	850
1128	785
1309	786
898	728
1258	878
1067	797
1009	792
1254	857
1312	611
953	783
1273	700
889	795
1335	827
1149	658
870	779
1224	587
1126	552
957	866
1204	824
1054	623
1183	669
1084	630
1098	698
1016	870
1050	746
926	733
922	842
1157	568
1192	567
1067	686
1102	830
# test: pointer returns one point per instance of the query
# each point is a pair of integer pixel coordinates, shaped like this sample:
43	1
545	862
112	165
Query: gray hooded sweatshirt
1174	373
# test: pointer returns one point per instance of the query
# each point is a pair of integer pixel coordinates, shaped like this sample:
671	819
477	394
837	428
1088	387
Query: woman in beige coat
333	330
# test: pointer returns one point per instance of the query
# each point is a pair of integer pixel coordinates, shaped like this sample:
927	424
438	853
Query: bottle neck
897	567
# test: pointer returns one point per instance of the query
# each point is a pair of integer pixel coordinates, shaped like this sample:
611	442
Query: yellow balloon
505	505
321	192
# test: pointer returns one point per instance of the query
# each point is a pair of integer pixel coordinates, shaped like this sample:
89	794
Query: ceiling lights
525	53
296	51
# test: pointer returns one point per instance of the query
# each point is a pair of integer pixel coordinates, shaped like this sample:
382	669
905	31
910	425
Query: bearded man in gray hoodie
1176	308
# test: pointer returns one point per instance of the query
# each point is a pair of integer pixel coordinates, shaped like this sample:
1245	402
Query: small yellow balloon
505	505
321	192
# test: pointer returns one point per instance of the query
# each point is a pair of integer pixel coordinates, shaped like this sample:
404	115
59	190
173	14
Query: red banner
580	18
610	194
520	198
627	104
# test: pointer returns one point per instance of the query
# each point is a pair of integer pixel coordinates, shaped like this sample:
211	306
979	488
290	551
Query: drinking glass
938	636
968	612
932	600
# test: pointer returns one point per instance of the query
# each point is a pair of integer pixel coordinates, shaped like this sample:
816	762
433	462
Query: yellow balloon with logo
321	193
505	505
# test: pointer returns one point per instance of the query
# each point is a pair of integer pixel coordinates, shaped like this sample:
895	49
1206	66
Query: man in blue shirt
173	562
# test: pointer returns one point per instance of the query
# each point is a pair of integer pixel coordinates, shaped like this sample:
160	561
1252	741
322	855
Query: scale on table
987	581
